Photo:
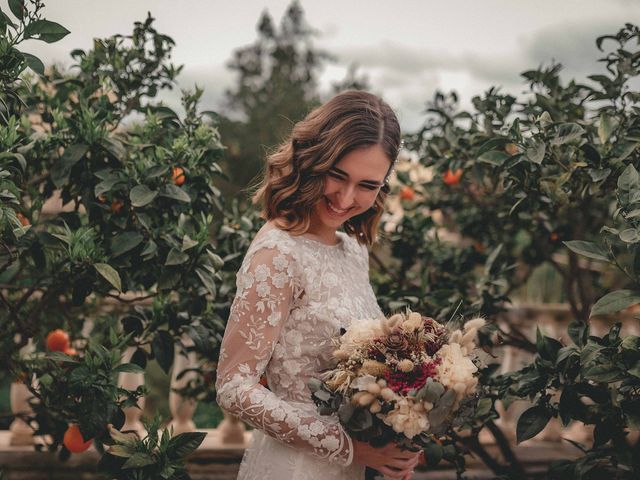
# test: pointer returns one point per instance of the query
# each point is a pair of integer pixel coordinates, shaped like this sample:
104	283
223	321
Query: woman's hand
389	460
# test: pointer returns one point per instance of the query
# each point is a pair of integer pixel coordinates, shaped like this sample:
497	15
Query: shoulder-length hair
293	182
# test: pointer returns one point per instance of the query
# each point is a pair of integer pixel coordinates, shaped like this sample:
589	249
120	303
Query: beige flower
413	322
405	365
360	332
456	371
389	325
405	419
373	367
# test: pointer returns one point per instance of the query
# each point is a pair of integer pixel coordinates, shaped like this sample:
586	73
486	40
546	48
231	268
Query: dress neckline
319	243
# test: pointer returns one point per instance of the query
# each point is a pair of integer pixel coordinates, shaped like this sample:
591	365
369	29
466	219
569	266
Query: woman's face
351	187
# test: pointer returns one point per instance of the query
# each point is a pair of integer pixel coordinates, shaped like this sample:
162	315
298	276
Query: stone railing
551	318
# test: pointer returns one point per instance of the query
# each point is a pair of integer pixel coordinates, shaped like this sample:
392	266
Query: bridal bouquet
400	379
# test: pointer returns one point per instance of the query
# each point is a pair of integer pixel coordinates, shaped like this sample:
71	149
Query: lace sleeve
268	286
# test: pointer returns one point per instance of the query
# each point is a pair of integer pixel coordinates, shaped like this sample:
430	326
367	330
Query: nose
346	196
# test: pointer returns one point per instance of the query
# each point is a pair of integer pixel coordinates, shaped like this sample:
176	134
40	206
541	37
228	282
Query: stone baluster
231	430
182	409
131	381
19	394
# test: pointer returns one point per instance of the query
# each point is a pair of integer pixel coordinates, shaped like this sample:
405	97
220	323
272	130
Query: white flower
274	318
279	280
360	332
405	419
330	279
291	366
280	262
278	414
303	432
262	273
245	280
263	289
456	371
316	428
330	443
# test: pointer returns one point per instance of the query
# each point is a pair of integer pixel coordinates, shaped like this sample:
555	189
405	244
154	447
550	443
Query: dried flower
405	365
404	419
373	367
396	342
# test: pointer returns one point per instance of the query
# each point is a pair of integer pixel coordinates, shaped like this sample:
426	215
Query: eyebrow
373	183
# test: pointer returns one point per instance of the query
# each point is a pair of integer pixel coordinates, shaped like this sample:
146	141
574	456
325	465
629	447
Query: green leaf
606	373
532	422
547	347
578	332
45	30
536	152
629	235
110	274
34	63
61	170
207	281
138	460
141	195
606	127
125	242
17	8
492	144
587	249
187	243
493	157
5	20
567	132
615	301
175	192
433	453
162	347
176	257
184	444
120	451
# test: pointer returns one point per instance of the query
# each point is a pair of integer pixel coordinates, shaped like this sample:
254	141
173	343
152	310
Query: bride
302	281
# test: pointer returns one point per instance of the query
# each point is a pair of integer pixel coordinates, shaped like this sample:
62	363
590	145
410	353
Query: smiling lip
333	211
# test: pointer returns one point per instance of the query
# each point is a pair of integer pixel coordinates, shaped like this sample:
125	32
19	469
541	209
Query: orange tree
135	180
519	183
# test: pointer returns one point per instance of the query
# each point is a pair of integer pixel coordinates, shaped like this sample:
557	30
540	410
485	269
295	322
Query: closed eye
342	176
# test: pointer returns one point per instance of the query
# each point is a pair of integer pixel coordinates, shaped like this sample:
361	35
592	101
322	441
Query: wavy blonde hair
295	173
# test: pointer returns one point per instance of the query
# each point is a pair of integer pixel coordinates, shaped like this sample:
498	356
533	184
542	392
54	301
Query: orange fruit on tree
116	206
74	441
407	193
177	173
554	236
452	178
23	220
58	340
70	351
511	148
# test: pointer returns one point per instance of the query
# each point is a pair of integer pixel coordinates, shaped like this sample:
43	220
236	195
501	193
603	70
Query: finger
387	472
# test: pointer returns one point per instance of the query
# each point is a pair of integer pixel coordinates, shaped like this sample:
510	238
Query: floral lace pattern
293	296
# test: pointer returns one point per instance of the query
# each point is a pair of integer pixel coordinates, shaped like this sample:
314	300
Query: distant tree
277	84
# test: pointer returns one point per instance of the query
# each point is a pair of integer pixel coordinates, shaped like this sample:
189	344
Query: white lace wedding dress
294	295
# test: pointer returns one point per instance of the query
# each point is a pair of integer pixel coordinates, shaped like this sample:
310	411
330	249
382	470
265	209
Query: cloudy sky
407	48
